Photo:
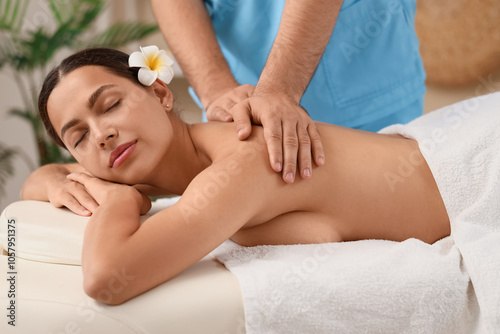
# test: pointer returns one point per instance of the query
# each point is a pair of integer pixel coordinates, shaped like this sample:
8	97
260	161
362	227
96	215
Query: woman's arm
49	183
210	211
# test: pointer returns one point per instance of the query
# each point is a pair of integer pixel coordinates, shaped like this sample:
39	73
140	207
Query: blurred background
459	41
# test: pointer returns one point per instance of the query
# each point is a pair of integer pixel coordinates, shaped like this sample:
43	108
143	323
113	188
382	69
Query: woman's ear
163	94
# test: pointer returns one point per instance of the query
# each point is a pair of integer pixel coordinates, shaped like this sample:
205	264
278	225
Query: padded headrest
41	232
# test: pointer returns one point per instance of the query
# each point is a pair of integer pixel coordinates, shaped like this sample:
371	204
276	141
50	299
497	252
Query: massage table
206	298
49	296
366	286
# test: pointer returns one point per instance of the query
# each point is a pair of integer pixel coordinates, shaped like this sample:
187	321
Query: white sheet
461	144
372	286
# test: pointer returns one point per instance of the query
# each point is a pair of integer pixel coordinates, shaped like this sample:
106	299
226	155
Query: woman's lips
120	154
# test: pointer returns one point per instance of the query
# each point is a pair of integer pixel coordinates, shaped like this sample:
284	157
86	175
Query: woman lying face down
126	138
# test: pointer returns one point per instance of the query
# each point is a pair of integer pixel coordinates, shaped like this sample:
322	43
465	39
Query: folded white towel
452	286
370	286
461	144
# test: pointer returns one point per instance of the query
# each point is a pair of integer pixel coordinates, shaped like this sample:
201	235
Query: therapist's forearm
189	33
304	32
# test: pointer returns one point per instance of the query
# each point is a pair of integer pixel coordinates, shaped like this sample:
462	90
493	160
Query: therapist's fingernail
289	177
278	166
321	160
307	172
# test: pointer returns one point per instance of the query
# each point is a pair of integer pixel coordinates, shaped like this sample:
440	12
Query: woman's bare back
372	186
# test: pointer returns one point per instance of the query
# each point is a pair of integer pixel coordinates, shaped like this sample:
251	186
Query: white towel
370	286
461	144
452	286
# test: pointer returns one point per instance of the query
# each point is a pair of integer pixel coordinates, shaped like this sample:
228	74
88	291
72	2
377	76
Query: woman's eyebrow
90	104
95	95
68	125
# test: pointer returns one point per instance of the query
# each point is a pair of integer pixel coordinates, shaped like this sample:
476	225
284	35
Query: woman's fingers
86	201
72	204
103	191
75	197
146	204
80	177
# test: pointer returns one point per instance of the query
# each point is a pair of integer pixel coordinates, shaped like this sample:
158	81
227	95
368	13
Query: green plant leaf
12	16
85	12
55	11
6	165
24	114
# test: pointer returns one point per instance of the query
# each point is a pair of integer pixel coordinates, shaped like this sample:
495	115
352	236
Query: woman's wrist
36	186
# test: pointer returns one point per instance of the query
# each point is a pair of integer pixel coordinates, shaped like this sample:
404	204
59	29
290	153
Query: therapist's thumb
242	119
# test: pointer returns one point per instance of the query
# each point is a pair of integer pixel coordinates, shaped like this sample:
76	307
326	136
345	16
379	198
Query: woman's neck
182	161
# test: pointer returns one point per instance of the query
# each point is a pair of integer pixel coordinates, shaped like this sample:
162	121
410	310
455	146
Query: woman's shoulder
219	140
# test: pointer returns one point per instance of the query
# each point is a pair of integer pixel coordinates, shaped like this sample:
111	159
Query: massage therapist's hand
220	108
291	135
102	191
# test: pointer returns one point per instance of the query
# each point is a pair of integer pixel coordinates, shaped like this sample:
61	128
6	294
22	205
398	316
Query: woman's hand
64	192
49	183
104	191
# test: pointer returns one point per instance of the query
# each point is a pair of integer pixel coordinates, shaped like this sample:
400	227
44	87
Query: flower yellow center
154	62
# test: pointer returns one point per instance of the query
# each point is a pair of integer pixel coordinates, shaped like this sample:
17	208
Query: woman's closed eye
81	138
114	105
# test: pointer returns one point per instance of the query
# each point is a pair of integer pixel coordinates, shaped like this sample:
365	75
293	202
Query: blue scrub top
371	68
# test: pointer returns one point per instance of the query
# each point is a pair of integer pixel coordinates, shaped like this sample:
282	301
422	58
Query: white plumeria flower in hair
154	63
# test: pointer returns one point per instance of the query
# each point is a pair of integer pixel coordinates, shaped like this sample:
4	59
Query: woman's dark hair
114	61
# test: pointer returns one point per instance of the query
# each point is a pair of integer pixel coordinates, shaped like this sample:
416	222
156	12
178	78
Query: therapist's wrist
264	88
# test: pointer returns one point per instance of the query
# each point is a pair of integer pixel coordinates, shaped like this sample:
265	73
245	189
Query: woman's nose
104	141
104	138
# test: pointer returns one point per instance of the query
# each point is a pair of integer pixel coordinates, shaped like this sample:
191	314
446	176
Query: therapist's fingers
242	119
220	108
218	114
290	150
273	136
316	144
304	153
